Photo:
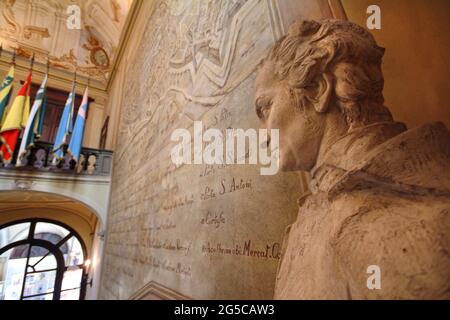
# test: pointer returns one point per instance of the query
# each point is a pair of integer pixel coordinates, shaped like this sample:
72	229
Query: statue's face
301	127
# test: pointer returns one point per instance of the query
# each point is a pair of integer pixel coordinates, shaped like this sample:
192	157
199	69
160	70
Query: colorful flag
32	124
65	128
5	91
15	120
76	140
39	124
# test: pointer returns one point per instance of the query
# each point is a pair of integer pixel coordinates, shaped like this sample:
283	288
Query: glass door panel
74	256
72	279
41	260
12	271
70	294
39	283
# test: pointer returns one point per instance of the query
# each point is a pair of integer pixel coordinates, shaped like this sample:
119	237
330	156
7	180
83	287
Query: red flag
14	122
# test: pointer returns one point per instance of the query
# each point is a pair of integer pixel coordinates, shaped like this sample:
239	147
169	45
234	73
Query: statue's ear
323	92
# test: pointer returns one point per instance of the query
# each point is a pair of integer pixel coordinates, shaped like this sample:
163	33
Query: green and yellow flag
5	91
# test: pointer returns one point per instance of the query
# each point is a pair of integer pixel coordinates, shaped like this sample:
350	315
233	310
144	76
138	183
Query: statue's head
322	79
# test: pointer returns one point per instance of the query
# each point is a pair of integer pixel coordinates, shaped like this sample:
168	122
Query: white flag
21	158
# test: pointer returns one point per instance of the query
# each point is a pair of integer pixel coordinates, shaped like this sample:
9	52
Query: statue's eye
263	105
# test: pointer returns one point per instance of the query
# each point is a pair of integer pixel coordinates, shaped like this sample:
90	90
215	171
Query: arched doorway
42	259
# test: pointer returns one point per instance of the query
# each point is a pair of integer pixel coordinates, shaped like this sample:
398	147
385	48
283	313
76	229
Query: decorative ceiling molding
40	28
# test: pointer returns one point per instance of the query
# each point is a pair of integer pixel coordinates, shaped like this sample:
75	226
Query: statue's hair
344	50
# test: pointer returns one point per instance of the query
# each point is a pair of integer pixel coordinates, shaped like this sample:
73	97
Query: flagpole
32	62
72	103
31	71
37	130
70	121
38	126
73	98
13	59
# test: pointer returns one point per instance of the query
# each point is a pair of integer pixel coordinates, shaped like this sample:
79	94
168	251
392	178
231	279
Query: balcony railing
40	157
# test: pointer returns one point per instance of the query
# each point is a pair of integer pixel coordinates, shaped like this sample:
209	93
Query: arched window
41	260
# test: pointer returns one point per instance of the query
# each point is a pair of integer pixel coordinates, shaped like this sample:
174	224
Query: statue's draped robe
381	196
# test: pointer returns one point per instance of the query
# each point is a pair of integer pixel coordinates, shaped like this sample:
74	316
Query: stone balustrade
92	162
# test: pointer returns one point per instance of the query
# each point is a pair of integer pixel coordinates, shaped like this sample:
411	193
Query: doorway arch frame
53	249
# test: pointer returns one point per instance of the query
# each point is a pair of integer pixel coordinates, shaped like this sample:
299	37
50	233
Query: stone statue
380	194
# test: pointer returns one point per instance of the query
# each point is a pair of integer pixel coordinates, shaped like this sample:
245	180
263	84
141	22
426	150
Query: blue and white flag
76	141
65	128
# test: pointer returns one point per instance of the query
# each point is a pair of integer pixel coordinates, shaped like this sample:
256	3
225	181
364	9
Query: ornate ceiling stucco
40	27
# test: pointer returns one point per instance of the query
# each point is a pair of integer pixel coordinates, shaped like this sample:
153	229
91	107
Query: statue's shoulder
407	237
418	158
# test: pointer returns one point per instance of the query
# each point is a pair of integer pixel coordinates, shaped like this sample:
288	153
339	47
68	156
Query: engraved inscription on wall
206	231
